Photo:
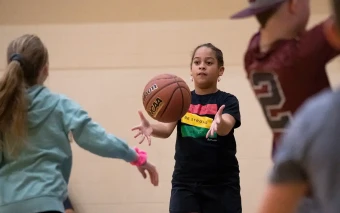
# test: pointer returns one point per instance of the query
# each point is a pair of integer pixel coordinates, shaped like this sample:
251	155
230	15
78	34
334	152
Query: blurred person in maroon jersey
308	159
285	63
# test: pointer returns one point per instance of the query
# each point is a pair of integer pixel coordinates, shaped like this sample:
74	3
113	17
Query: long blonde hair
26	57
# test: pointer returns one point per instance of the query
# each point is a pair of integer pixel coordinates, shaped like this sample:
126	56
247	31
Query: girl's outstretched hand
151	169
144	129
216	122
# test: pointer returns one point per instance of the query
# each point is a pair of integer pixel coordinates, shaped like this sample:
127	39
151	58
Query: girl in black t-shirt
206	174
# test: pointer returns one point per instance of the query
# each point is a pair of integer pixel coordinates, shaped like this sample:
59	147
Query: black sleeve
232	108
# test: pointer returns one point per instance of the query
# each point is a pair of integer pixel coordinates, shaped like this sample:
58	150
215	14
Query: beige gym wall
102	54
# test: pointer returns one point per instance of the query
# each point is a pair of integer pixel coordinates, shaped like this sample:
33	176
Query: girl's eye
196	62
209	63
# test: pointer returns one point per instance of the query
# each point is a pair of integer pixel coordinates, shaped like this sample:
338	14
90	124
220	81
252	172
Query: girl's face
205	69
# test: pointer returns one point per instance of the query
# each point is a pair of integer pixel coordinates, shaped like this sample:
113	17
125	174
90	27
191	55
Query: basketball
166	98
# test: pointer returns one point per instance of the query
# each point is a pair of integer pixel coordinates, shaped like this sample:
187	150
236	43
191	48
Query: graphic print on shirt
269	92
196	123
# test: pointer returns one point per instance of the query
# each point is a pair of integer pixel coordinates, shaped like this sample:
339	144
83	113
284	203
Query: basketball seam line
180	88
176	82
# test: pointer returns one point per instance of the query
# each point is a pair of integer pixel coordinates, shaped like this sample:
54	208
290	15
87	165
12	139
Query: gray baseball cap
255	7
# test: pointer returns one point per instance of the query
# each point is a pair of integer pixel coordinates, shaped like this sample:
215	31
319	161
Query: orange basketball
166	98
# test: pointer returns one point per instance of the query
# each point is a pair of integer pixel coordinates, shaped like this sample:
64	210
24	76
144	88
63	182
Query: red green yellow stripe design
196	123
208	109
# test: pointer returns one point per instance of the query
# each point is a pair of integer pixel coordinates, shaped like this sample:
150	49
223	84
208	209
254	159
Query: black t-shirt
199	159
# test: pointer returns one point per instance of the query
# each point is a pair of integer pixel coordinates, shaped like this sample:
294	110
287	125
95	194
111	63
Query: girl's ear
221	71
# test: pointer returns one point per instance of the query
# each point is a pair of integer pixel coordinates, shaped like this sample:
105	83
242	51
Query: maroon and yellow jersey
291	72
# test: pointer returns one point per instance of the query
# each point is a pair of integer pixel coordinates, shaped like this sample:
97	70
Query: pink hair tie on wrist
142	156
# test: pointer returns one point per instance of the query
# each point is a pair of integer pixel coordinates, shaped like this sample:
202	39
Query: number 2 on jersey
268	91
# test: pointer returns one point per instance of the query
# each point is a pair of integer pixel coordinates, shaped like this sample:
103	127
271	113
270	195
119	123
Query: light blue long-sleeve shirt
36	181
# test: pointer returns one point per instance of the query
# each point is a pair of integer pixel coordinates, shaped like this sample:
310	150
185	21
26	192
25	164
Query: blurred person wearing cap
287	62
284	62
308	158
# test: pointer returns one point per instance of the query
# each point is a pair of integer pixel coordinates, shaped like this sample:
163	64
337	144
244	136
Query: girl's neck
207	91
